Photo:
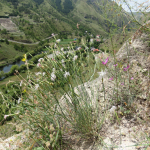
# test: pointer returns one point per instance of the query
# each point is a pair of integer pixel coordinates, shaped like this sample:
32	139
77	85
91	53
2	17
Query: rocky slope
126	131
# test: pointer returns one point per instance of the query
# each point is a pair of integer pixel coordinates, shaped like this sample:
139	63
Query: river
7	68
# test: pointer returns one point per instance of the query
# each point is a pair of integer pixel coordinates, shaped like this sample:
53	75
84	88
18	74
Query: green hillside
38	19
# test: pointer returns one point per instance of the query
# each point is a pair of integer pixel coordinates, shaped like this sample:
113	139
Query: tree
67	6
79	40
13	68
80	34
4	31
16	47
96	44
88	39
1	74
7	42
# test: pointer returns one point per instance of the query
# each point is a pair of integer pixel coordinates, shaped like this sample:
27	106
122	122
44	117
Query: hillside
122	117
36	19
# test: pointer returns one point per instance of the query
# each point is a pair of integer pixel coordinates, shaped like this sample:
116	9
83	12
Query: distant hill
37	19
138	15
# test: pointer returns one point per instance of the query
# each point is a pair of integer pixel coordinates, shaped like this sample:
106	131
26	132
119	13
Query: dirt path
30	43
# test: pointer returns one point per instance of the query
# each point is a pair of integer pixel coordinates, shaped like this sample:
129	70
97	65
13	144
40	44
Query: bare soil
6	23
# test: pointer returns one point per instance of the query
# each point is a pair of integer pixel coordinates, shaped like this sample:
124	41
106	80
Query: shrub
22	68
13	69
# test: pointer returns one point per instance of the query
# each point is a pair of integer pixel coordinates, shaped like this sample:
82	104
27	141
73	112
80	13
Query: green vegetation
63	15
95	94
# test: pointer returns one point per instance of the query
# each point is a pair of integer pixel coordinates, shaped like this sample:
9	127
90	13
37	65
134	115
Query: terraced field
6	23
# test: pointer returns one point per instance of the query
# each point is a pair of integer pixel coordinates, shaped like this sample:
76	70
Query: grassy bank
8	51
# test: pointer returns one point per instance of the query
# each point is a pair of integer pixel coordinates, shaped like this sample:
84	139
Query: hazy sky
134	4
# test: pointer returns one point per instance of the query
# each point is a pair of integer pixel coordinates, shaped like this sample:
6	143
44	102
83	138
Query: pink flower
104	63
111	78
125	69
132	78
5	116
38	65
116	65
122	83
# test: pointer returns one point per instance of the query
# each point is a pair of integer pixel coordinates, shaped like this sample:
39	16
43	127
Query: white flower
5	116
58	40
53	34
36	86
101	74
112	110
37	73
62	49
54	69
55	46
78	48
44	73
57	53
91	40
19	100
21	83
68	47
75	57
62	61
53	76
66	74
38	65
41	60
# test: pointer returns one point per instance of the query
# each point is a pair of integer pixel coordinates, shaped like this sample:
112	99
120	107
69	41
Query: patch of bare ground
6	23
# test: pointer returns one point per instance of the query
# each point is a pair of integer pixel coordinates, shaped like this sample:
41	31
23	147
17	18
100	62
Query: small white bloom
41	60
55	46
61	70
57	53
75	57
101	74
53	34
58	40
44	73
91	40
21	83
19	100
36	86
53	76
38	73
5	116
112	110
38	65
62	49
66	74
78	48
62	61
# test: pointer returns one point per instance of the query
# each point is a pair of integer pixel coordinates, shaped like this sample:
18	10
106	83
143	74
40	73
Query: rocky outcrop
136	53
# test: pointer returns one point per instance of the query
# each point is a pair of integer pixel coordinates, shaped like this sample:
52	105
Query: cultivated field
6	23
